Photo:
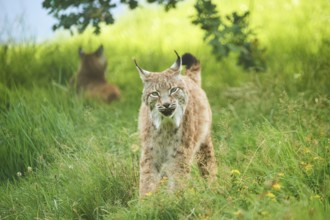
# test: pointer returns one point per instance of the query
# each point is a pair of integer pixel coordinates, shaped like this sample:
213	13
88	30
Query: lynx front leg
178	170
149	176
206	160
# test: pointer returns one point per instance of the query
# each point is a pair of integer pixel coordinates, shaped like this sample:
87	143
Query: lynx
175	126
90	79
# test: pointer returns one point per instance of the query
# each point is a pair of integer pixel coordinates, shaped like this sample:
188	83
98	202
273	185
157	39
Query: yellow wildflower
306	150
203	216
149	194
318	158
264	213
308	138
238	213
322	132
277	186
134	148
316	197
281	174
163	180
235	172
308	167
192	190
270	195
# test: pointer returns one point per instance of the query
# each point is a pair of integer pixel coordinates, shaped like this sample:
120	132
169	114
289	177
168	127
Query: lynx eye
174	90
154	94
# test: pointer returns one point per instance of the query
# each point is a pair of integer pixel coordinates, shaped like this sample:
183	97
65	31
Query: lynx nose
166	105
166	109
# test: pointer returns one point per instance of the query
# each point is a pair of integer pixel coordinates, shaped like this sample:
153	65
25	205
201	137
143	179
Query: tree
224	35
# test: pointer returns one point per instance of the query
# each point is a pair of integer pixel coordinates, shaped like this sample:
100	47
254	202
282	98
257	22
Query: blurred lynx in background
90	79
175	126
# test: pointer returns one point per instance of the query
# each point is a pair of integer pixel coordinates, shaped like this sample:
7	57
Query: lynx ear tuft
143	73
177	65
81	52
99	50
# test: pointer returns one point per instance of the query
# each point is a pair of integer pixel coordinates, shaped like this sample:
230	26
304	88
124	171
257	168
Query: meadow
66	157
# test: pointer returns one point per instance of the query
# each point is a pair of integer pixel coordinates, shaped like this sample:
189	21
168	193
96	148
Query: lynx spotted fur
175	126
90	79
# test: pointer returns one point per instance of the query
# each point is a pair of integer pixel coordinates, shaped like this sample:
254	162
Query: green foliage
80	14
168	4
65	157
232	35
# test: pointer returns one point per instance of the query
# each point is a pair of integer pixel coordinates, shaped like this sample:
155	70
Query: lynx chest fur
175	126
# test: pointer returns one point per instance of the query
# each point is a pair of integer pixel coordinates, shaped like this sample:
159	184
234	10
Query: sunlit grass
64	157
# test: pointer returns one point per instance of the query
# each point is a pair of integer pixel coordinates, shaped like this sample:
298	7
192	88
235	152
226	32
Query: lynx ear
99	50
143	73
80	52
177	65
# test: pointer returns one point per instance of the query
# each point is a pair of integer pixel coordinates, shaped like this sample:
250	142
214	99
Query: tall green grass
66	157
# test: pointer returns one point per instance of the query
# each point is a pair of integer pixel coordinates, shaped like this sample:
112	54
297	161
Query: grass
65	157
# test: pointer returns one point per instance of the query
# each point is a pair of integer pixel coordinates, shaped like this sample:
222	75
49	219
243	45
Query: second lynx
91	80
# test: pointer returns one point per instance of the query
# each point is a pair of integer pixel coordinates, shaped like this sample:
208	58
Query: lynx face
165	95
94	62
